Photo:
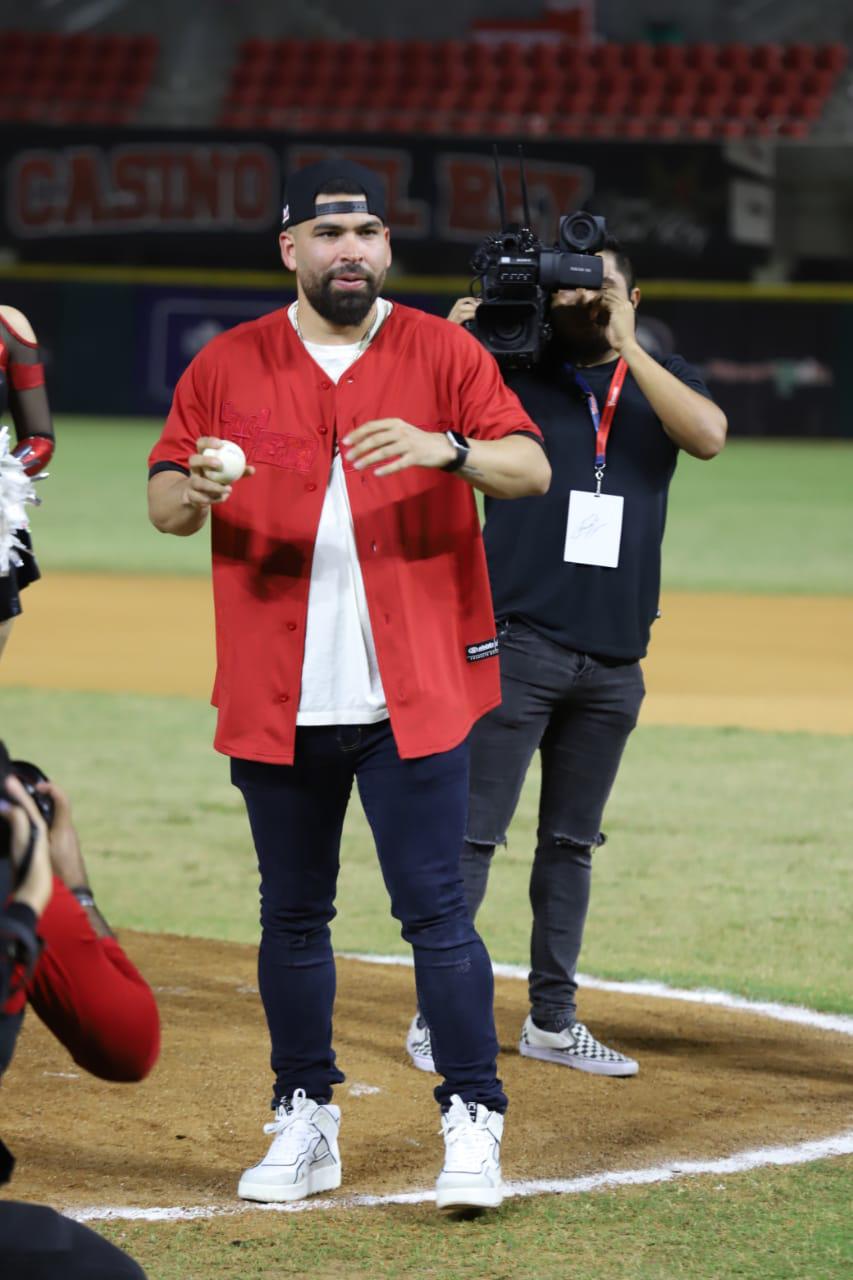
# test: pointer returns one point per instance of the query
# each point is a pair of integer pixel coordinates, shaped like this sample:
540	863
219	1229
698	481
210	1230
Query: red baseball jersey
417	532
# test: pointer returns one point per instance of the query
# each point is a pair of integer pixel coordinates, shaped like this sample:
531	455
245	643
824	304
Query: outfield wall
117	339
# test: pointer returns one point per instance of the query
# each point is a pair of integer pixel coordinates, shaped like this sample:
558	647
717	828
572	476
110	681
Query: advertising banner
203	199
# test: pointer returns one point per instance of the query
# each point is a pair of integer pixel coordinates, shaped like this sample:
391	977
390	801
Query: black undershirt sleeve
166	466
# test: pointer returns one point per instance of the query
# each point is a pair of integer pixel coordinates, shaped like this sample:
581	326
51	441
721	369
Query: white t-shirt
340	673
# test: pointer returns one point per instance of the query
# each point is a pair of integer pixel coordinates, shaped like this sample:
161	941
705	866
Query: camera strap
601	422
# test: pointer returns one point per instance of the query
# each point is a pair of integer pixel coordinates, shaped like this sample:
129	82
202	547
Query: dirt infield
770	662
712	1082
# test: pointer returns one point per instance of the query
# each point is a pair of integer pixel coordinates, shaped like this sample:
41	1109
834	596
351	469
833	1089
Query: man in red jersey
355	642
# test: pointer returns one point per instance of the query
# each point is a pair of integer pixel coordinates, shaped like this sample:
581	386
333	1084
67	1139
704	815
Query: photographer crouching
575	578
84	987
36	1243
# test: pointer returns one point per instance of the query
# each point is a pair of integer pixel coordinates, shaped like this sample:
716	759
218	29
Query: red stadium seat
636	127
741	107
546	59
606	58
665	127
831	56
798	57
750	81
708	106
473	87
820	81
784	81
670	57
638	56
774	106
645	107
794	128
768	57
702	56
734	56
808	107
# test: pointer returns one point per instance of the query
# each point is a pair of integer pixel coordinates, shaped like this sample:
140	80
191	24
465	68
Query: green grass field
727	865
762	517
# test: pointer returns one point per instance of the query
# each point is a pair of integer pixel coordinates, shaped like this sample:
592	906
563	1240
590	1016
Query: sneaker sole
320	1180
422	1062
469	1197
592	1067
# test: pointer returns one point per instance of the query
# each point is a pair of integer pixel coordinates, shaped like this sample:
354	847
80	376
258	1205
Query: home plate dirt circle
713	1082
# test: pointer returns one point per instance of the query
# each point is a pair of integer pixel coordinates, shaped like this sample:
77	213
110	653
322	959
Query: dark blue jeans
578	711
416	810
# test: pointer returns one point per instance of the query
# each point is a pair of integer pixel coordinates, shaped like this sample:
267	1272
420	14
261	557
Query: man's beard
341	307
580	334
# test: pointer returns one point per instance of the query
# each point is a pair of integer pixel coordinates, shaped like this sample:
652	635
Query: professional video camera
28	775
517	275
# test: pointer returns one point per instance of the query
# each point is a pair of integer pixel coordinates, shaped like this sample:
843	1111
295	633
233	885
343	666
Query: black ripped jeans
579	711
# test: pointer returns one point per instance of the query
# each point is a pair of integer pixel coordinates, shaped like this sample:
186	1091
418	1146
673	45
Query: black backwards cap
304	185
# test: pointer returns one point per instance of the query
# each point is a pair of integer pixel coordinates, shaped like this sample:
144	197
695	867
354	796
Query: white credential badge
594	529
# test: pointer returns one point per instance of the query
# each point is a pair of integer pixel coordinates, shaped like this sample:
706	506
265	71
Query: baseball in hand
232	458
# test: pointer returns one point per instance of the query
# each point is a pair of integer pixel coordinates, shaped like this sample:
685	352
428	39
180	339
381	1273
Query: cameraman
575	580
85	989
36	1242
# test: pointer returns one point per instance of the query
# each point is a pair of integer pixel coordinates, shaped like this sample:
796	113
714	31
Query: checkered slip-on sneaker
419	1044
576	1047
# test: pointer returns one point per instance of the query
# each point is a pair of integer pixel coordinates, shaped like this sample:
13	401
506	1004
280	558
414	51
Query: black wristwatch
462	448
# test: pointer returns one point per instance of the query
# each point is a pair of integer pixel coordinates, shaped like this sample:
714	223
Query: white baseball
232	458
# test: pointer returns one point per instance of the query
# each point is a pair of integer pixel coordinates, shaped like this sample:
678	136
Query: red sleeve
488	409
189	417
26	376
91	996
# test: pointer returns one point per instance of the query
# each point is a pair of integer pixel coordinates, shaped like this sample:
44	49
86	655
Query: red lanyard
602	422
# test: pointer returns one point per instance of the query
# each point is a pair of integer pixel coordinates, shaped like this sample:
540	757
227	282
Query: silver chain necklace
363	343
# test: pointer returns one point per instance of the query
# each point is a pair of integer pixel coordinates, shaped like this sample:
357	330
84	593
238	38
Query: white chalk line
723	999
839	1144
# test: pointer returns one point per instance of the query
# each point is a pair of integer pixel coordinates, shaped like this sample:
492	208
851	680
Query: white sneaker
419	1044
471	1176
304	1156
574	1046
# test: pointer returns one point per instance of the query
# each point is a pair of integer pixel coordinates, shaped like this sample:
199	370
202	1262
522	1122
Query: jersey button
324	386
284	697
323	431
374	546
291	626
310	487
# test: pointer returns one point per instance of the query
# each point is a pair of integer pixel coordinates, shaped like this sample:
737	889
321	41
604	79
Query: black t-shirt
600	611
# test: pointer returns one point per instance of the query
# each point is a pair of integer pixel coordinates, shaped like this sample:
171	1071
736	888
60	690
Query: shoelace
465	1137
291	1126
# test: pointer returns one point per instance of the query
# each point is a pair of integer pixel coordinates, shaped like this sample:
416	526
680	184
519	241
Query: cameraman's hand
463	310
621	328
65	856
35	889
